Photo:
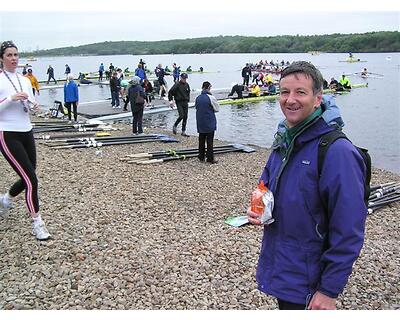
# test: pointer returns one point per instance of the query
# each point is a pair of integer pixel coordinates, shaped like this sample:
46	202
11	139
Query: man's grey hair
307	69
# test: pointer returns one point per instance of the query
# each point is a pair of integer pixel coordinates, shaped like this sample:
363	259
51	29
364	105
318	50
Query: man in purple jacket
307	254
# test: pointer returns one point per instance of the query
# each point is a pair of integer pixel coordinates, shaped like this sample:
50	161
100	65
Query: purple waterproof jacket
305	249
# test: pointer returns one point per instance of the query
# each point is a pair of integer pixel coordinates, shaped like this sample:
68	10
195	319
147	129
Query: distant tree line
383	41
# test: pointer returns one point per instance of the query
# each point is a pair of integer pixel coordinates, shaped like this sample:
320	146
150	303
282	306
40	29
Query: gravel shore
153	237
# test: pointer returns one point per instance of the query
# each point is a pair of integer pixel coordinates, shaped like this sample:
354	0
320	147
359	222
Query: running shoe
40	232
5	205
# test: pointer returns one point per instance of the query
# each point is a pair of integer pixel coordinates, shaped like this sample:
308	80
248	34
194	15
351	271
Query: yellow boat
276	96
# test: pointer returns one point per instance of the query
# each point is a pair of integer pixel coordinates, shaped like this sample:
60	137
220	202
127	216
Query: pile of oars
62	137
96	142
170	155
53	126
382	195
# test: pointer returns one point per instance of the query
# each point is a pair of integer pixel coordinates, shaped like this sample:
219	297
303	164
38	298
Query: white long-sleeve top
12	114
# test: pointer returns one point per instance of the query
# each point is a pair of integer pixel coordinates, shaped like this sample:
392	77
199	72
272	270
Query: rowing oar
103	139
376	207
68	125
149	154
380	186
98	140
175	154
387	195
81	129
383	191
372	205
172	152
46	123
62	137
183	157
112	143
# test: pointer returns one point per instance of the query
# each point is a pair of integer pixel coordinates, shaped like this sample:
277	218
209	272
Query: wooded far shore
383	41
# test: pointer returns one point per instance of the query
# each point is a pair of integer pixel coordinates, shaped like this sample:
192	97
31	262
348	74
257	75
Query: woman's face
10	59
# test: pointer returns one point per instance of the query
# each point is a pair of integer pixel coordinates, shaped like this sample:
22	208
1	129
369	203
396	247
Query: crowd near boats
259	81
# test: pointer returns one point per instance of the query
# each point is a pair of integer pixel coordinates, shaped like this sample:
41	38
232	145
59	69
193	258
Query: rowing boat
276	96
352	60
163	108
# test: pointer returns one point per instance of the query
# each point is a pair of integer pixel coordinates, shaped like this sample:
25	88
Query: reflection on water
371	115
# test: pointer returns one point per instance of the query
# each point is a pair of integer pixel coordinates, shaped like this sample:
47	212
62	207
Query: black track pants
18	148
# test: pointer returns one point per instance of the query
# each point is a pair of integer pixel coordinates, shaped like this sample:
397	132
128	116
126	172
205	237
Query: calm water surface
371	115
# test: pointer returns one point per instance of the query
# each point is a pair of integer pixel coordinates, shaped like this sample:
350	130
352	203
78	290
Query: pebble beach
127	236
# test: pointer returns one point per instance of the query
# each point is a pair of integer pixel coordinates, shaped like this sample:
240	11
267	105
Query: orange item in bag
257	204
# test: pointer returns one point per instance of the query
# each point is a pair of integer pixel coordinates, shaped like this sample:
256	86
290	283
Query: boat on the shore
166	108
276	96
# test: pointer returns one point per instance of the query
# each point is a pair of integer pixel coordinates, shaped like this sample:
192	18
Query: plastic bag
262	203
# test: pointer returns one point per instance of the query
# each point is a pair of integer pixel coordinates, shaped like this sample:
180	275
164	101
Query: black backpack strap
368	163
323	146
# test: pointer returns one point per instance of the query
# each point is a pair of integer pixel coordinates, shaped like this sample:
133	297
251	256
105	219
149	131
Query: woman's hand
20	96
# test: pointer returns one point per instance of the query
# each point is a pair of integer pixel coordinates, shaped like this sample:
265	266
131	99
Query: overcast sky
46	24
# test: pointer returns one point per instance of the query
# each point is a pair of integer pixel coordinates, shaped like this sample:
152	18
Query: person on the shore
120	75
140	73
136	96
71	97
124	93
50	75
142	63
160	74
25	68
101	71
238	89
34	82
308	252
115	89
271	88
206	107
17	143
334	84
176	72
258	77
246	74
345	82
180	93
325	85
148	89
82	79
268	78
67	70
111	69
255	90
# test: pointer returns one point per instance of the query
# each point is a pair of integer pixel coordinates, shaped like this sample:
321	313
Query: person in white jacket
17	143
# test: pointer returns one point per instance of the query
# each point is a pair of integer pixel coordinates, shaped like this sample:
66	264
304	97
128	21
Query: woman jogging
16	137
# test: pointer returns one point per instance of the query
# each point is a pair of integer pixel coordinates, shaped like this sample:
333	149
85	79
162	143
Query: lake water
371	115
